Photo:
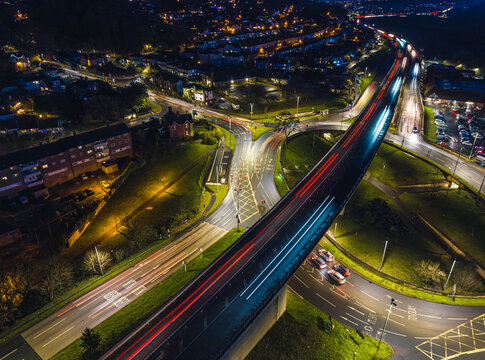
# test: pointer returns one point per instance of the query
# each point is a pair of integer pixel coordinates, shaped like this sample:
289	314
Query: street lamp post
251	112
456	164
297	104
383	254
97	256
385	323
473	147
449	275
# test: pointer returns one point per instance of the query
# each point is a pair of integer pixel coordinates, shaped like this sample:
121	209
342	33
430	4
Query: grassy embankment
125	320
304	332
182	201
429	125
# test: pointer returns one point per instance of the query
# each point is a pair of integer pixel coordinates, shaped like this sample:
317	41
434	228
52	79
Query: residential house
178	125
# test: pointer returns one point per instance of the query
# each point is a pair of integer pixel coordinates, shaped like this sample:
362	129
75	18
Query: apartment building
54	163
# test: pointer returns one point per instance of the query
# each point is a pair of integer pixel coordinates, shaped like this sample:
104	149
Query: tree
467	280
430	272
90	341
287	123
91	263
58	275
139	237
13	286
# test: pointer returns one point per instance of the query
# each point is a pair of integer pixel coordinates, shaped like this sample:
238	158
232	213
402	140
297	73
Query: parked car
467	143
89	192
80	195
23	199
104	184
318	262
83	176
415	130
336	276
441	143
326	255
344	270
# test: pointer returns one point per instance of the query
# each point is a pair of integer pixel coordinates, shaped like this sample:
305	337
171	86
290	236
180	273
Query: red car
441	143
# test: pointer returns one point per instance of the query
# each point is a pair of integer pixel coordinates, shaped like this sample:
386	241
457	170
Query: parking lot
457	127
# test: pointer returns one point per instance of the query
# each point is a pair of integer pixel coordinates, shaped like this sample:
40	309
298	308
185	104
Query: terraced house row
35	169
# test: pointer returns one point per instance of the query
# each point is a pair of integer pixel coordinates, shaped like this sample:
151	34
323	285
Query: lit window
4	178
89	151
15	175
45	166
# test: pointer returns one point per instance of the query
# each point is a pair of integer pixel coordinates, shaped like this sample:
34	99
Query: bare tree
91	263
430	272
287	123
58	275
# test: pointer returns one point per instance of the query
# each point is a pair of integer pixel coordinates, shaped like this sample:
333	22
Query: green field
302	333
144	183
429	125
397	168
364	236
257	131
365	81
456	215
229	139
125	320
299	156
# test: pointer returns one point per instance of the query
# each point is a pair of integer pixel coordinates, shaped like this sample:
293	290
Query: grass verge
456	215
117	326
397	168
299	156
304	332
365	81
220	194
229	139
279	181
429	125
257	131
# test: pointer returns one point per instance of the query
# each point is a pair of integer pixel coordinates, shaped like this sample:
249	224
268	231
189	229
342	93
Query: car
477	135
318	262
479	147
89	192
441	143
442	138
23	199
104	184
326	255
83	176
80	195
467	143
344	270
415	130
479	151
336	276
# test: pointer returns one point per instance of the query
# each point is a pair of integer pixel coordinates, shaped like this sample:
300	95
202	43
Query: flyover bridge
208	315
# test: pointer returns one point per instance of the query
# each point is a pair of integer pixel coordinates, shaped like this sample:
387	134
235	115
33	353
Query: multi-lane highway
252	193
233	289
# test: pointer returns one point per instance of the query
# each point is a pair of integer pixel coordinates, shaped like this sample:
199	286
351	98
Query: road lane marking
365	307
89	303
10	353
394	321
58	336
350	321
300	280
458	319
360	312
392	332
325	299
356	318
43	332
423	338
372	297
430	316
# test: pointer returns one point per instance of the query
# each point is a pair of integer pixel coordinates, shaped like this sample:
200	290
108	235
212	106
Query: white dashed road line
46	330
325	299
10	353
58	336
